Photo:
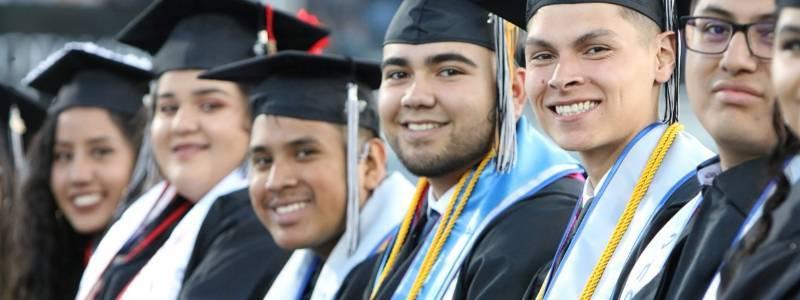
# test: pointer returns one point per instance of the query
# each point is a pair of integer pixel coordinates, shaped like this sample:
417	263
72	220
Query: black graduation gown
517	246
234	256
772	271
701	247
133	257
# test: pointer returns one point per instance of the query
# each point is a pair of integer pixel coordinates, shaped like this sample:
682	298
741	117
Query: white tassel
18	129
353	209
506	120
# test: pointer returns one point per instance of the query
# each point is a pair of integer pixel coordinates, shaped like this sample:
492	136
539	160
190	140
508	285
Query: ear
518	90
665	56
372	169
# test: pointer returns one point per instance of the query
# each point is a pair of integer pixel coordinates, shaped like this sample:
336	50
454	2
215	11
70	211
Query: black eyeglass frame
735	27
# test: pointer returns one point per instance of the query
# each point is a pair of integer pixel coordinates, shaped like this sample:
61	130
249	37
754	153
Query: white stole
380	218
162	276
614	191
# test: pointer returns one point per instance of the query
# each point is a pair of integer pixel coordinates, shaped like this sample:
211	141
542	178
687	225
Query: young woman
80	165
191	236
763	263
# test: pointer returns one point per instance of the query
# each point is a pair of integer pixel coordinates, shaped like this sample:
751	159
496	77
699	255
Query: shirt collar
435	204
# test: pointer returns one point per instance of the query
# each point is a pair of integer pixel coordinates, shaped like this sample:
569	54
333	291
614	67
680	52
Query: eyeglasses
713	36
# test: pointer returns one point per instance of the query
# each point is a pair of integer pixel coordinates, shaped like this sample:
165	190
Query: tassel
353	207
505	48
18	129
672	88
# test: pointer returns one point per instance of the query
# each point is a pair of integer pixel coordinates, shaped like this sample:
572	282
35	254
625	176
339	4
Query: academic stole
792	172
581	253
542	164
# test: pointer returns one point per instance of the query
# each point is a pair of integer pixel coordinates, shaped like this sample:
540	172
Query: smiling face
786	66
302	206
436	105
92	164
592	79
199	131
731	93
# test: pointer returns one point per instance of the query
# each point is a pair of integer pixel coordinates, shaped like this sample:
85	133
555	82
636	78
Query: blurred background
32	29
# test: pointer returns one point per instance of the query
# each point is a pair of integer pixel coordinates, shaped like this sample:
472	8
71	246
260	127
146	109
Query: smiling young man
482	220
729	87
303	184
594	72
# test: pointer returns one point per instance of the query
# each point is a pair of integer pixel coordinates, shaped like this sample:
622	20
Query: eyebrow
532	41
789	29
99	140
717	10
587	37
394	61
197	92
302	141
448	57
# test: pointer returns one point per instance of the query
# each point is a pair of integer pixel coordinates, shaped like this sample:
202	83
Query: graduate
20	117
763	261
594	72
492	190
81	162
191	236
318	180
729	87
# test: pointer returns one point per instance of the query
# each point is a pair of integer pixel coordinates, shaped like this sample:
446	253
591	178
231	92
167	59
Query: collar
708	170
439	206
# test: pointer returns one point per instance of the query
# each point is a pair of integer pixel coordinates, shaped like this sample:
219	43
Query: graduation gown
234	256
505	258
673	186
725	205
772	271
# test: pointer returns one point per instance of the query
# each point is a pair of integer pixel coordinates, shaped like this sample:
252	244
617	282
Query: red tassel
321	44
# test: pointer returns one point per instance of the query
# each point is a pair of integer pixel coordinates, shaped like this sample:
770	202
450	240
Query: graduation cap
431	21
787	3
664	13
21	116
201	34
87	75
326	88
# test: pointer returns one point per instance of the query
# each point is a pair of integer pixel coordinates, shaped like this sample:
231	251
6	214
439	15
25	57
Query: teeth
575	108
86	200
285	209
422	126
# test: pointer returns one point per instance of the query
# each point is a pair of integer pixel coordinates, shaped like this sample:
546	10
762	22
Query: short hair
649	28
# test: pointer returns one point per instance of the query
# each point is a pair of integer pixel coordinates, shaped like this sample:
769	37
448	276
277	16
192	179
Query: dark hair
788	146
46	255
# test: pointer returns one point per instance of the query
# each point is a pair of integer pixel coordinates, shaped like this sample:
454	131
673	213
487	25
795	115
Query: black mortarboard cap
300	85
32	112
201	34
787	3
87	75
520	12
431	21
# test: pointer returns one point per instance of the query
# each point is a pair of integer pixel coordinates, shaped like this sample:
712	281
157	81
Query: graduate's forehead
431	54
275	132
571	23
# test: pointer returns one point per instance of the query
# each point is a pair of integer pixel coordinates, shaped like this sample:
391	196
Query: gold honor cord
653	163
642	185
442	232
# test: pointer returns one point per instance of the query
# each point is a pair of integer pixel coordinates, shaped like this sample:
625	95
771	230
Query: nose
737	58
80	170
185	121
418	95
566	75
281	176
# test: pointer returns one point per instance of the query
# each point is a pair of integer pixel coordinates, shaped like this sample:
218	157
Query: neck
323	251
729	158
599	160
441	184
